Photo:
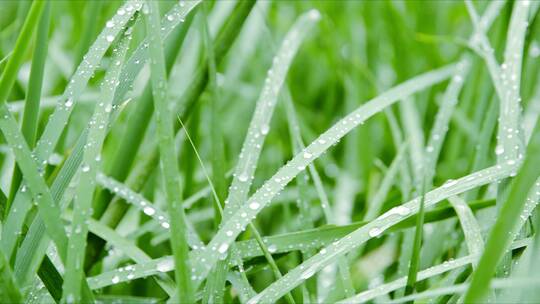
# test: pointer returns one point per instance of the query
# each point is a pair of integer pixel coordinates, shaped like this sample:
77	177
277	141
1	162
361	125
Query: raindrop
265	129
149	211
449	183
163	266
375	232
243	177
223	248
402	210
85	168
254	205
115	279
69	102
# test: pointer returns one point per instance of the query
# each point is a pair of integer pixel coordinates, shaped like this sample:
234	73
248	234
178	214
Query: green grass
269	151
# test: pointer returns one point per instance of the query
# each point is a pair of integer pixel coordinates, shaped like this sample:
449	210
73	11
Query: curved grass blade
260	122
375	227
168	159
87	180
264	195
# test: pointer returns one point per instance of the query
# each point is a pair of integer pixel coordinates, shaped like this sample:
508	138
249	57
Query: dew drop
272	248
499	150
85	168
149	210
163	266
307	274
243	177
402	210
265	129
115	279
110	38
254	205
449	183
223	248
375	232
69	102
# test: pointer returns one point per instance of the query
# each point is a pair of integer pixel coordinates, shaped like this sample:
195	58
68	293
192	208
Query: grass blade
168	160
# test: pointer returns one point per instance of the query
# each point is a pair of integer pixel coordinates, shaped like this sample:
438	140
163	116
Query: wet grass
261	152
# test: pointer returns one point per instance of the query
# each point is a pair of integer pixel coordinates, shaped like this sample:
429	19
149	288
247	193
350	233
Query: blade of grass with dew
259	125
510	135
506	226
375	227
263	196
87	181
74	89
469	225
31	108
301	240
168	160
